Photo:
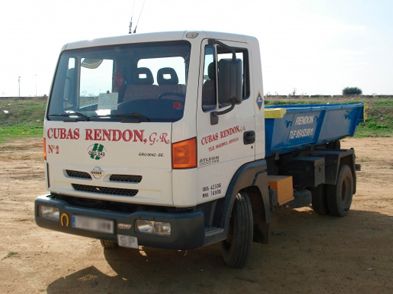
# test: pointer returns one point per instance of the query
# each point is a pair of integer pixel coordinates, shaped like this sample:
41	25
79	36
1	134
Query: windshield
133	82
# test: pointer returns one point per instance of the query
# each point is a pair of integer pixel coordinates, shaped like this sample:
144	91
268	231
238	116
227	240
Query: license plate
92	224
127	241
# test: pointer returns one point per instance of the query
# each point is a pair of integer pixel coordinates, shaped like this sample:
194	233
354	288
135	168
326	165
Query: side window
70	85
209	91
209	88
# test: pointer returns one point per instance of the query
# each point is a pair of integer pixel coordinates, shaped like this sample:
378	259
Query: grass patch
20	131
10	254
379	119
21	118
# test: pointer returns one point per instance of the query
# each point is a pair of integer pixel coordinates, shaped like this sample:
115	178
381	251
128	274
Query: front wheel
339	196
235	249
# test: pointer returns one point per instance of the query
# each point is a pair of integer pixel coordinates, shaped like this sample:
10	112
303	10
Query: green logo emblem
96	151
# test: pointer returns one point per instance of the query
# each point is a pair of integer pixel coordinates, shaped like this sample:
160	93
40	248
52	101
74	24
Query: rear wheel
108	244
339	196
236	248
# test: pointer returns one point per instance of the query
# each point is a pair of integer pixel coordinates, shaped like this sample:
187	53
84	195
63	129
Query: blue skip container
293	127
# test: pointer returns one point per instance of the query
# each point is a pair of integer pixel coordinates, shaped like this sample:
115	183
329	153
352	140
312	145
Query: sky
307	46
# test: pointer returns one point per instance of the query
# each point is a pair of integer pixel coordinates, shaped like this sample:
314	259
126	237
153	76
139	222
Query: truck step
213	231
214	235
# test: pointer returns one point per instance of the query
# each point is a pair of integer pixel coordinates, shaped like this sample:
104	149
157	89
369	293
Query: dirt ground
307	253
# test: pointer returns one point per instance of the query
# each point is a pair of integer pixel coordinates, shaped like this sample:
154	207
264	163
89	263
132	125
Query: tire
108	244
339	196
319	200
236	248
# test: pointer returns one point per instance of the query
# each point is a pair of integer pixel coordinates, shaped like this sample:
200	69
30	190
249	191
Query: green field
21	118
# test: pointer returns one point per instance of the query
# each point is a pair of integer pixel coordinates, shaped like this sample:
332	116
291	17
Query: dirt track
307	253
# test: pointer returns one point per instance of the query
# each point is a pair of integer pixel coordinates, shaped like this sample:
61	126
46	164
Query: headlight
49	212
153	227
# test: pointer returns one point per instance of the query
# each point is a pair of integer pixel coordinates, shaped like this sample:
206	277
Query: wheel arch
261	225
334	159
250	178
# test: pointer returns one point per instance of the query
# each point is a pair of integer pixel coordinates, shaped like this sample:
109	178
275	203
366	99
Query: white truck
163	140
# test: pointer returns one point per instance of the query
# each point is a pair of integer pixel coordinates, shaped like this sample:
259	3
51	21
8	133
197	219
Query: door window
209	88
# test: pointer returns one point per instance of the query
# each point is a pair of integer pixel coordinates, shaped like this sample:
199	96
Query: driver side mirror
229	86
229	81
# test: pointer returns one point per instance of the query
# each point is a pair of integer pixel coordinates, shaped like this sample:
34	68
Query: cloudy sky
312	46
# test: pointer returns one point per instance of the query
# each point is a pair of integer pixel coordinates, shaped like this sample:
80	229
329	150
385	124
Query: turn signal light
44	142
184	154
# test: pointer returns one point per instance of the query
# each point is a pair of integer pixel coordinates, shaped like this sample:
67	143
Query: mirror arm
216	42
214	114
231	49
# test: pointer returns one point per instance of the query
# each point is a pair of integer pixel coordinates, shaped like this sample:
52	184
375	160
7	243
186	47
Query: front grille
78	174
125	178
105	190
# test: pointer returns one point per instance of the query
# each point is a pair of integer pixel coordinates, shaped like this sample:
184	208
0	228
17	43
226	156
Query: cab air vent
78	174
125	178
105	190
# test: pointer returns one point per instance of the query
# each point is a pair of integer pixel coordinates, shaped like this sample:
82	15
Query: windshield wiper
131	117
71	116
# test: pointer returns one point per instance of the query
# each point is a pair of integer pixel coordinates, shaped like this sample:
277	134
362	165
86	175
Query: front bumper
187	228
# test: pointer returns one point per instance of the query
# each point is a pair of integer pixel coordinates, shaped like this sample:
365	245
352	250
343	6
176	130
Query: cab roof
156	37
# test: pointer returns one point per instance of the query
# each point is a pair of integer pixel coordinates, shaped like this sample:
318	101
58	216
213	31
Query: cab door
225	140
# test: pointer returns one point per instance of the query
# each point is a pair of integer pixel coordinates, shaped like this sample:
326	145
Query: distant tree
351	91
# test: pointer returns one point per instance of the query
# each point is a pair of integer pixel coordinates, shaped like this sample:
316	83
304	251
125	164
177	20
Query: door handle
248	137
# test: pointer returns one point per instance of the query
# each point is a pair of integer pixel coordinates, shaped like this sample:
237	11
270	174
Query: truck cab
158	140
131	106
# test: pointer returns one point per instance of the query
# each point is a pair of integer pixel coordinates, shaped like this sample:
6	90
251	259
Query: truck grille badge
97	172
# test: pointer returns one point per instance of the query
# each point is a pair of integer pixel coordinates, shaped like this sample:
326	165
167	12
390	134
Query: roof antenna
130	27
132	15
136	26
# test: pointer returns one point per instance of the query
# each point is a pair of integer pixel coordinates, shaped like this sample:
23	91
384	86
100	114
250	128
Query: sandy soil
307	253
